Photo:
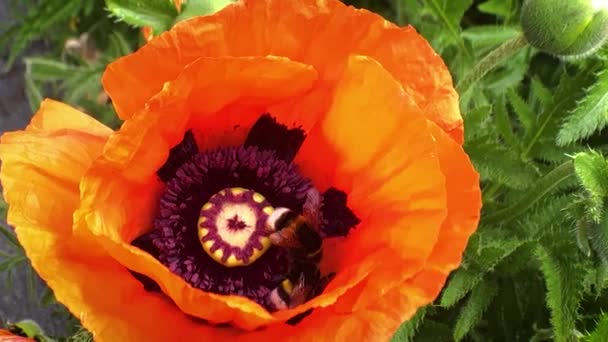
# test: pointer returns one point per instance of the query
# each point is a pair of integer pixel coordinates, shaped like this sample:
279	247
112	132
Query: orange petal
42	197
119	309
354	316
393	179
464	206
107	300
120	192
376	321
392	176
42	165
319	33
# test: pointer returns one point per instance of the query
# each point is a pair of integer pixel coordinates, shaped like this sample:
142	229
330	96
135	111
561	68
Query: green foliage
200	7
158	14
82	335
600	333
31	329
563	291
537	260
590	115
541	188
478	302
408	330
592	171
38	20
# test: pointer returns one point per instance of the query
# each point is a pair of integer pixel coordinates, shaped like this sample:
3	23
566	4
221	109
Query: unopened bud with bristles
565	28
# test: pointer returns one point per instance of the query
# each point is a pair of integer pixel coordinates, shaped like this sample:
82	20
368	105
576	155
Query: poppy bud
567	29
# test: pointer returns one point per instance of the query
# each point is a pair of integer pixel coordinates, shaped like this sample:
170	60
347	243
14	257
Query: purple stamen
264	165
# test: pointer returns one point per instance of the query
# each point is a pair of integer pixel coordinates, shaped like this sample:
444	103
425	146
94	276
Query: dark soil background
15	303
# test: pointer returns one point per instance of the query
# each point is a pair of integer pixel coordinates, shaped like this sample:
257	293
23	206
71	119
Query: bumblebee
299	233
301	236
301	284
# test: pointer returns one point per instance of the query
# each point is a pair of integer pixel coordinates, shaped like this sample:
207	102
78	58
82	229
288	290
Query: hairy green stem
539	190
491	61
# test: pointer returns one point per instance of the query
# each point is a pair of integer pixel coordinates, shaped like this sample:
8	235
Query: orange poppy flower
7	336
170	228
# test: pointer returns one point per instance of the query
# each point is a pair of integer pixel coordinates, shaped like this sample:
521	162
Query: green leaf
119	46
434	331
48	297
484	256
6	232
499	8
407	330
82	335
541	92
564	97
450	12
598	237
592	171
3	208
545	213
500	164
600	333
478	302
503	124
30	283
541	188
564	290
582	228
84	83
194	8
522	110
477	121
10	263
461	282
37	22
590	115
488	36
32	92
158	14
45	69
30	329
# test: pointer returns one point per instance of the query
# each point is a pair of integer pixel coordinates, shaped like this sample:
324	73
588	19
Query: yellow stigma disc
229	221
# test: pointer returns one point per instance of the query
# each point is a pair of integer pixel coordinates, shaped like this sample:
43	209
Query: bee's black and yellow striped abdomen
309	238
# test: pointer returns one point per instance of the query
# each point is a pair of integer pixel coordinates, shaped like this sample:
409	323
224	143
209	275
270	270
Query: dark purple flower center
210	227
